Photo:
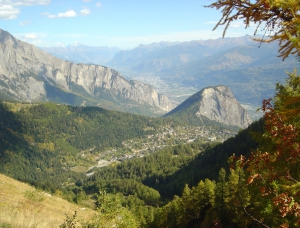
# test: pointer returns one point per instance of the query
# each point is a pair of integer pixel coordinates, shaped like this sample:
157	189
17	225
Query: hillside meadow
22	205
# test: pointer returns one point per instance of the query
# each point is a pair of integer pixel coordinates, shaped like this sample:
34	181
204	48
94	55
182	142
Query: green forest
249	180
50	136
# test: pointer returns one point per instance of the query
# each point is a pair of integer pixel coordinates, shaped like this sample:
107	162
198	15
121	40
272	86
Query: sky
114	23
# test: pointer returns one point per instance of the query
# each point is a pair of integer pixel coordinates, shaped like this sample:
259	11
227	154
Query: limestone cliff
215	103
219	104
29	74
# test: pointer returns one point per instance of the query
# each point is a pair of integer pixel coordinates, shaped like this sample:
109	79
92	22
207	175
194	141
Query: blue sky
114	23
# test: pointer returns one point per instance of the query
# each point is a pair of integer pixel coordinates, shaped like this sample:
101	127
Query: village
168	136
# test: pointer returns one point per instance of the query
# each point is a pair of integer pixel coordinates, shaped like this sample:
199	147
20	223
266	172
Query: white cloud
23	23
85	12
46	14
98	4
86	0
30	36
70	13
29	2
8	12
35	42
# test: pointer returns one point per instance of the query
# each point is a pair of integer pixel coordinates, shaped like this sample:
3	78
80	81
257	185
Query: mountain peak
76	44
215	103
28	74
6	37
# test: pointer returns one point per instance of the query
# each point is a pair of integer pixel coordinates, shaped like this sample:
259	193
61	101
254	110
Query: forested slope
171	168
143	184
41	142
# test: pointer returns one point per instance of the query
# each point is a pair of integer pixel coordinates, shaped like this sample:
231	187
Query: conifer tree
187	206
239	197
274	166
222	194
200	199
210	191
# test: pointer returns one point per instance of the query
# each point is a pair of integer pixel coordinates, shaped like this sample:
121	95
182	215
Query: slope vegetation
24	206
42	142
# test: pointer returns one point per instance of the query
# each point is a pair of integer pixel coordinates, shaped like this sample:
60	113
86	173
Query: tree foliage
273	168
280	18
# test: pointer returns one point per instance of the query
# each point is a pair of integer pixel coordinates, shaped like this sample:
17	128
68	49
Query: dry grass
23	206
79	169
14	107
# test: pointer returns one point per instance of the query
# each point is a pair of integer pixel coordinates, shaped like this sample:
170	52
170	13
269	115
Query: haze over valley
142	114
180	69
79	114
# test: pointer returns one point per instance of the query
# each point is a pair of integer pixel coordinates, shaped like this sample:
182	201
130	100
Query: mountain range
156	57
28	74
250	68
80	53
58	147
250	71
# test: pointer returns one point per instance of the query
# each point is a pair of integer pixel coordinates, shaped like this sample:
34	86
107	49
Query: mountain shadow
206	164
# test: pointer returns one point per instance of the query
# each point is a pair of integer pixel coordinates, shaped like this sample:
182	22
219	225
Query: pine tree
239	197
187	206
200	199
210	187
222	195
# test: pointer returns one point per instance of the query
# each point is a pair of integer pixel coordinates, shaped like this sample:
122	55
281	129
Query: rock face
27	73
217	104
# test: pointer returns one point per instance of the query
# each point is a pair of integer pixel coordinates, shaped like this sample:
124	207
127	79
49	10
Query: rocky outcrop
219	104
215	103
25	69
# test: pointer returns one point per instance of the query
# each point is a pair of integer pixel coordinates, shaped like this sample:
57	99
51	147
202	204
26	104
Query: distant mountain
251	69
80	53
214	103
251	72
164	55
28	74
129	59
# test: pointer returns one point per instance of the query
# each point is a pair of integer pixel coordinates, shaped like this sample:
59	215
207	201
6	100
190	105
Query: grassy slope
23	206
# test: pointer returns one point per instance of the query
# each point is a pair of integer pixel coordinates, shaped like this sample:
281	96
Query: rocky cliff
29	74
215	103
219	104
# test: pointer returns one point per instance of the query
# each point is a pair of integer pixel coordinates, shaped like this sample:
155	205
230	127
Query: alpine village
204	133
